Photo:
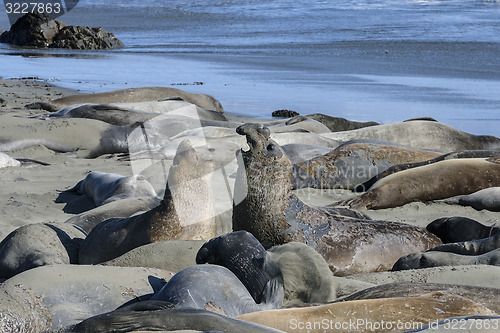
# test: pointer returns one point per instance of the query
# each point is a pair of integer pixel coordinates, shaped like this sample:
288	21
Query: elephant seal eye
273	151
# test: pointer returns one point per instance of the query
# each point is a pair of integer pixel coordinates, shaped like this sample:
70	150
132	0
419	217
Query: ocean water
383	60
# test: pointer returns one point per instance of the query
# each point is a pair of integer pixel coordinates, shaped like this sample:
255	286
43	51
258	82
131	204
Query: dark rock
36	30
285	113
85	38
39	30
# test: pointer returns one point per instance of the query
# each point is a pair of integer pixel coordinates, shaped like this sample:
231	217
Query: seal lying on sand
484	199
439	180
460	229
405	166
485	251
156	315
121	208
48	298
337	124
216	288
131	95
306	277
186	212
487	297
266	207
104	187
39	244
354	162
372	315
421	134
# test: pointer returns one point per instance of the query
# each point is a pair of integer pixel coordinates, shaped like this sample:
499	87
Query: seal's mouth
259	140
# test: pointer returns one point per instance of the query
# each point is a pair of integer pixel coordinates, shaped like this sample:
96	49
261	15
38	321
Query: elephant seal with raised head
266	207
186	212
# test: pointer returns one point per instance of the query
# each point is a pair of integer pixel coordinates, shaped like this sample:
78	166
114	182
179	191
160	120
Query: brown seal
395	314
266	207
435	181
186	212
355	162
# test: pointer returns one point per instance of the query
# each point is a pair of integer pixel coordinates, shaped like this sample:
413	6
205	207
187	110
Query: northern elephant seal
39	244
131	95
485	251
405	166
354	162
266	207
52	297
186	212
373	315
215	287
460	229
115	209
488	297
104	187
488	198
305	274
337	124
439	180
421	134
157	315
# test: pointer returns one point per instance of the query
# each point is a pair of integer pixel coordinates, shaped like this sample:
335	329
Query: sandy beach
30	192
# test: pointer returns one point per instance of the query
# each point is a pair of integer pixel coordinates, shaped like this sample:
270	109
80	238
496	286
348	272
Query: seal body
353	163
39	244
436	181
213	287
133	95
103	187
266	207
186	212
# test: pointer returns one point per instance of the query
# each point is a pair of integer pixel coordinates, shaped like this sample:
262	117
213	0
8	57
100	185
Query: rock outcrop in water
39	30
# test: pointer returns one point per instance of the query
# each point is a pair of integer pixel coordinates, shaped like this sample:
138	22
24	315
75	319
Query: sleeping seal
104	187
186	212
131	95
266	207
435	181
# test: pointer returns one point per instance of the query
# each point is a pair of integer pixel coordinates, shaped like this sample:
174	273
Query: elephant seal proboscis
353	163
186	212
266	207
305	274
435	181
104	187
131	95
